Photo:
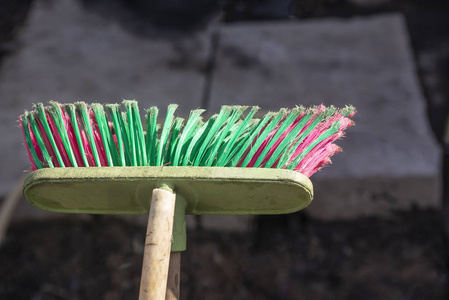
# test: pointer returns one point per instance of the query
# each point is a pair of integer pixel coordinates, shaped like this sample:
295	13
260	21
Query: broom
263	162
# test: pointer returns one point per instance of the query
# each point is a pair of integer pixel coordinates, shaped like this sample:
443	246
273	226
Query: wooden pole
174	277
153	282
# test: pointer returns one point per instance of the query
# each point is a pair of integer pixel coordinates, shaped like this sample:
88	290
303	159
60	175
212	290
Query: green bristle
141	135
329	111
123	123
199	140
237	111
29	142
286	142
231	133
174	138
219	122
165	134
243	139
234	128
71	111
187	134
224	132
330	131
43	119
261	138
209	153
132	140
152	129
40	141
85	118
196	141
59	121
138	136
347	110
224	154
105	134
114	111
249	140
228	138
286	154
192	139
291	117
303	135
158	139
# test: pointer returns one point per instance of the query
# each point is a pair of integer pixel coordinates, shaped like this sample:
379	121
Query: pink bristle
313	163
265	143
239	164
242	159
352	114
306	142
310	171
38	150
321	145
261	148
85	142
345	123
33	165
318	110
47	142
316	157
114	136
58	140
72	139
287	131
281	138
100	149
313	135
303	144
249	148
321	153
71	136
98	140
271	151
316	132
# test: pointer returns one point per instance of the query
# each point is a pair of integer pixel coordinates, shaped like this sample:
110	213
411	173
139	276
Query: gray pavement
390	160
68	54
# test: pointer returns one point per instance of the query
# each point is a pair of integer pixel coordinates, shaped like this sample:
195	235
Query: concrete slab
69	54
390	160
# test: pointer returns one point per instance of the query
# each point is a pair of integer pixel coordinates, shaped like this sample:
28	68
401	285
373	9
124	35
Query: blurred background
377	228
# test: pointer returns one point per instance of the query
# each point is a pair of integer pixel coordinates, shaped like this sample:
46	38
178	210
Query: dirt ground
299	258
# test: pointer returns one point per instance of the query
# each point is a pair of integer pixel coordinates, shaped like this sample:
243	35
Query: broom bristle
81	135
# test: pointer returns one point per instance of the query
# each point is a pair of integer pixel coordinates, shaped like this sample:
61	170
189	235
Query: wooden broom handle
156	257
174	277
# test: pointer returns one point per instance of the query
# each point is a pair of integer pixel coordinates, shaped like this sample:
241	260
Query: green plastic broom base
199	191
